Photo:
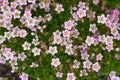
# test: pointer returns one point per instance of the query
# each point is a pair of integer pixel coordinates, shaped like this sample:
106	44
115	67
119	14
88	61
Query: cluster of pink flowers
64	38
113	76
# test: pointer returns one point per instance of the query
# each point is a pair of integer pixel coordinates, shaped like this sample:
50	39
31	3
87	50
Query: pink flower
23	33
112	73
43	45
117	56
101	19
102	7
87	64
48	17
57	39
75	33
24	76
59	74
66	33
55	62
13	5
8	55
95	2
108	23
109	48
83	46
96	66
115	78
109	40
52	50
1	1
102	38
69	24
91	15
95	41
116	13
99	57
7	49
85	56
114	32
42	4
81	4
76	64
2	60
27	14
5	2
71	76
93	28
75	16
81	13
59	8
83	72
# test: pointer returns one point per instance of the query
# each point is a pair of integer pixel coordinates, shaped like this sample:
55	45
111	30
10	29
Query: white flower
102	19
89	40
22	56
52	50
16	14
34	65
14	33
76	64
13	61
69	50
26	45
48	17
83	72
14	69
7	35
31	22
42	4
2	39
36	51
31	1
35	42
93	28
55	62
